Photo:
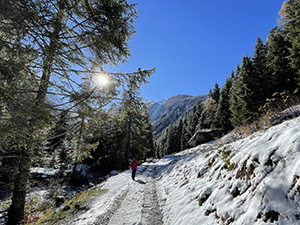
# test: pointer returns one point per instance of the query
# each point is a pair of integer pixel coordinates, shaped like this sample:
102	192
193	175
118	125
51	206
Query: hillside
164	112
252	180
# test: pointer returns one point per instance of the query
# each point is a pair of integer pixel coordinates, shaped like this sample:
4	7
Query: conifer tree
161	143
191	120
261	83
57	137
241	94
171	143
216	93
67	37
292	29
223	114
133	111
208	113
189	124
173	138
283	75
146	132
109	154
186	133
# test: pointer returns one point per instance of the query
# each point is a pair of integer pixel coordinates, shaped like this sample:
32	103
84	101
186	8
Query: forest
56	111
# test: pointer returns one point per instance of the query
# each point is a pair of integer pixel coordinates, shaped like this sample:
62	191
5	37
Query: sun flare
102	80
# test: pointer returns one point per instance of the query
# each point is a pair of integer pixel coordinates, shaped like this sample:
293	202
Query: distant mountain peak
164	112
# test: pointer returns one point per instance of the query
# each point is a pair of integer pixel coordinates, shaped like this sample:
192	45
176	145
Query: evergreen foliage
216	93
176	136
134	115
292	29
223	114
55	41
241	96
261	82
283	75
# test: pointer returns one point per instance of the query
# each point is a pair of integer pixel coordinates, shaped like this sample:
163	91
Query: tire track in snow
151	213
127	208
138	205
105	218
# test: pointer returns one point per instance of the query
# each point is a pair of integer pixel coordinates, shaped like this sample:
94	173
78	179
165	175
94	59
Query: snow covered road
126	201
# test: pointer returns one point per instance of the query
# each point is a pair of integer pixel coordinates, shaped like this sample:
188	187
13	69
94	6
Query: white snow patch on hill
251	181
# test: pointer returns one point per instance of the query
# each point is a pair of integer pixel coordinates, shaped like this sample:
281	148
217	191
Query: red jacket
134	164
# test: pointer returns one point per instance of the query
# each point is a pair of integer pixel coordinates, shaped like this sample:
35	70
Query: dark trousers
133	174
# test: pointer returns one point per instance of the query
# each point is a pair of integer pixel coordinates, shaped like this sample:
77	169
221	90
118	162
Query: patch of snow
43	171
257	183
243	199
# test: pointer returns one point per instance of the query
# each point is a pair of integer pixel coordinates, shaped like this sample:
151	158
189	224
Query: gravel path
138	203
151	213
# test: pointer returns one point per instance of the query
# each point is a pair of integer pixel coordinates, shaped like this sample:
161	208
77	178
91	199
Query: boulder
204	136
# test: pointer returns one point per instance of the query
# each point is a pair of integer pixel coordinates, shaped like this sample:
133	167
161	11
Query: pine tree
241	94
292	29
109	154
216	97
186	133
161	143
261	82
57	136
18	84
191	119
278	61
223	114
189	124
207	119
73	35
171	141
147	135
133	110
216	93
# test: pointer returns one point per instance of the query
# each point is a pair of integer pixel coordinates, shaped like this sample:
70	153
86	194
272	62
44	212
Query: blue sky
195	43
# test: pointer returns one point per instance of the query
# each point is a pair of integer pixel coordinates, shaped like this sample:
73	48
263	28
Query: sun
102	80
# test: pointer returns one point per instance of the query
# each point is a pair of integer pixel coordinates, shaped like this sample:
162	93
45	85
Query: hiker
133	164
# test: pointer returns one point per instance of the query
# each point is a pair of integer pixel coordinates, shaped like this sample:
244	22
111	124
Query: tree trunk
16	211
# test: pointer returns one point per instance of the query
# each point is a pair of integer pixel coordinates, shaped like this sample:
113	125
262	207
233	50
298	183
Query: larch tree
208	113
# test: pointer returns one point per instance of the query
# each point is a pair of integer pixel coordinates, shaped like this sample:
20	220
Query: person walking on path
133	164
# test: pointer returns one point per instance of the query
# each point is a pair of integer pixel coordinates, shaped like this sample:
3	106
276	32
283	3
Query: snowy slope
255	180
259	185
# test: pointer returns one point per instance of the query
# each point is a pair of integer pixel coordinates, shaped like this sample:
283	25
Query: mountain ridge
164	112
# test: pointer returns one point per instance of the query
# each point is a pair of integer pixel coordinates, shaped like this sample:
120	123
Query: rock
113	173
204	136
66	208
59	200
